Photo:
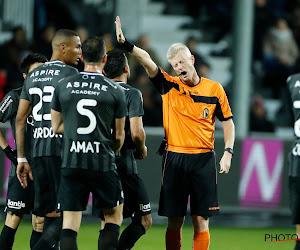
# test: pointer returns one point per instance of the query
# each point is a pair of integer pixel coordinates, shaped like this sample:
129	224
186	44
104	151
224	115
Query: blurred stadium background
232	42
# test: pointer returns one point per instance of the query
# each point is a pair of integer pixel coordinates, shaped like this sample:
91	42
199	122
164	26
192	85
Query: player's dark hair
64	33
93	49
116	61
31	59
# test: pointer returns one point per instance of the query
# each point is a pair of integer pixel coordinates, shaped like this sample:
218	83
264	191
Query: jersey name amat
85	147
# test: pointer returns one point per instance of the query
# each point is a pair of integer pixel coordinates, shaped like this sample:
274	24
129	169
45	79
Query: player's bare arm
141	55
23	168
57	122
118	134
229	134
138	136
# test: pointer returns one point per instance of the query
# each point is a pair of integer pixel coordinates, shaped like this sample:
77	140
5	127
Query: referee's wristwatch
230	150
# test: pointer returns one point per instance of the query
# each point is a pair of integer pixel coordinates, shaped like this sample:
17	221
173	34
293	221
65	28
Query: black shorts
19	200
46	174
294	187
185	175
136	200
76	185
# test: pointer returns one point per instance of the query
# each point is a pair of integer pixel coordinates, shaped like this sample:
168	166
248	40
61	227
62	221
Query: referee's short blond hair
175	48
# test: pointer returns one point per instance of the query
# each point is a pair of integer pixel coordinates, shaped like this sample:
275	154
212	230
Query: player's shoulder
111	84
15	93
134	91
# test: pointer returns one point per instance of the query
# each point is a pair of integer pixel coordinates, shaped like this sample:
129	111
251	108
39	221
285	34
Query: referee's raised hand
119	32
23	169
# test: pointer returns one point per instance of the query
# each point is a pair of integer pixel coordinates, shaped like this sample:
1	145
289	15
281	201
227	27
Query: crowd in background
276	43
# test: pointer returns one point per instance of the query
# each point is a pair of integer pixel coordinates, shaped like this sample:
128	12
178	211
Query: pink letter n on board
261	169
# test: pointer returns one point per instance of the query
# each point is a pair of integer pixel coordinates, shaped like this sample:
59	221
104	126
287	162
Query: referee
190	106
89	110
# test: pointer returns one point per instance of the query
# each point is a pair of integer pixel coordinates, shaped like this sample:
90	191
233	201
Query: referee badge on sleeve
205	113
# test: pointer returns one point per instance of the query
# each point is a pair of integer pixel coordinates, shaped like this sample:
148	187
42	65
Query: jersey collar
91	73
119	82
54	61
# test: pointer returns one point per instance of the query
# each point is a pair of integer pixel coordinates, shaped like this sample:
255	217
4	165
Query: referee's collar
91	73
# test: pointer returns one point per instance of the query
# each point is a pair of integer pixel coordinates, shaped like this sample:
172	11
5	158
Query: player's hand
24	169
225	163
119	32
141	154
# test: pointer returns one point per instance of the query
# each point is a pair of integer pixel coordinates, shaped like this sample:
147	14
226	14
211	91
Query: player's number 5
86	112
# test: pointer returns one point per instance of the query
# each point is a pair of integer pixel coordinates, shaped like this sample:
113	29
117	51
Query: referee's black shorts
76	185
188	175
46	175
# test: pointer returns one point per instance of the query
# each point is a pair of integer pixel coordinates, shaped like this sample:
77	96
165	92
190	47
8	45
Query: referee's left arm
229	135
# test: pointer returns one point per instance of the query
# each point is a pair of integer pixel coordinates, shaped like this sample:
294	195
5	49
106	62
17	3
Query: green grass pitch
222	238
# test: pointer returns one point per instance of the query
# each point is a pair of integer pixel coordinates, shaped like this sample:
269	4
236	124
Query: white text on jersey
85	147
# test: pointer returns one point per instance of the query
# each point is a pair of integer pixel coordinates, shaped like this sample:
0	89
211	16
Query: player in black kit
136	201
19	200
89	110
293	83
36	96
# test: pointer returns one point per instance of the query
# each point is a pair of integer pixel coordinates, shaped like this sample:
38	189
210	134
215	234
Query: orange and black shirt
189	113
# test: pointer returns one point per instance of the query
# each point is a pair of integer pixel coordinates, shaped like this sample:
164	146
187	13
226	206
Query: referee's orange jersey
190	113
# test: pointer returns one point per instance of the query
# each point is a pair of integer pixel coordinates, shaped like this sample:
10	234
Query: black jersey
134	102
294	88
38	89
8	112
89	103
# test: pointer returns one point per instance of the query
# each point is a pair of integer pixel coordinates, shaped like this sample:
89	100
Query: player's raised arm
141	55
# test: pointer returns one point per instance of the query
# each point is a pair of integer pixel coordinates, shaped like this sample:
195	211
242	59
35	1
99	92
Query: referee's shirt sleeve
163	82
121	105
223	111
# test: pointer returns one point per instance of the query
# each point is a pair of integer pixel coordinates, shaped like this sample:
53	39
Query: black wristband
8	150
230	150
11	154
128	46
